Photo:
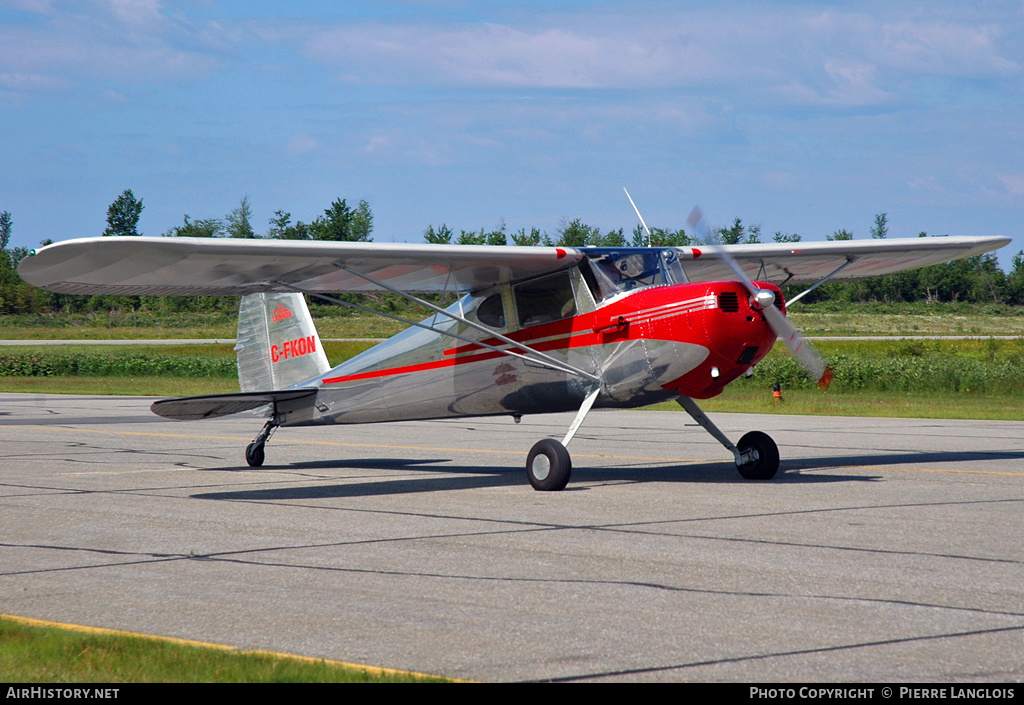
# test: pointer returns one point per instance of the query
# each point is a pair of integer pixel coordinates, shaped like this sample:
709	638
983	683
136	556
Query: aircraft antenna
639	216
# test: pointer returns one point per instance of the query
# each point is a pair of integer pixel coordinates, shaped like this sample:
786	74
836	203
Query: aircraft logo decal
280	313
504	374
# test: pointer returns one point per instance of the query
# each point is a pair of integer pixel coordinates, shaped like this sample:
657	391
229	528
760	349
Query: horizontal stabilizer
210	406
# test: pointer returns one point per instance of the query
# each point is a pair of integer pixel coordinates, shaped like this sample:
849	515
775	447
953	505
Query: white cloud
30	82
946	49
485	55
837	57
113	40
1014	183
377	142
136	13
301	143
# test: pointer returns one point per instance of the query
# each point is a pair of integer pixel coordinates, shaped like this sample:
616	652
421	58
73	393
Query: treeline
339	222
974	280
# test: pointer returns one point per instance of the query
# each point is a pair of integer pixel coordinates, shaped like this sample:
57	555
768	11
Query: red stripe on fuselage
575	332
558	344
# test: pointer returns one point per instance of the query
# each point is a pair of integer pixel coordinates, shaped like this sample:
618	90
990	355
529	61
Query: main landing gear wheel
254	454
767	463
548	466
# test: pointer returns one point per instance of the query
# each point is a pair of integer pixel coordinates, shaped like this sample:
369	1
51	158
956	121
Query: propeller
802	350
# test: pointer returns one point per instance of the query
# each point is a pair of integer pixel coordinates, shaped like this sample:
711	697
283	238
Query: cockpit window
546	299
491	312
616	271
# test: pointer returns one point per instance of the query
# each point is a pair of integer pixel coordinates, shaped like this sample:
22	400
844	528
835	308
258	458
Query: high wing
140	266
806	262
210	266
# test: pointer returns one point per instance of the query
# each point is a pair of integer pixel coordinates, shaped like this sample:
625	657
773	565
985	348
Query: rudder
278	345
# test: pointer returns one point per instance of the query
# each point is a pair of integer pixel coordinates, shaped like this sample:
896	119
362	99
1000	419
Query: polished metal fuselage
645	346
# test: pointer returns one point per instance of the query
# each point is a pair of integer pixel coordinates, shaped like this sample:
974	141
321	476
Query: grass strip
942	366
910	405
141	386
938	366
979	379
748	399
213	360
46	654
159	319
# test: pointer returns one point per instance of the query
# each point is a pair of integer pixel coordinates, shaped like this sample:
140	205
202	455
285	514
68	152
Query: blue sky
800	117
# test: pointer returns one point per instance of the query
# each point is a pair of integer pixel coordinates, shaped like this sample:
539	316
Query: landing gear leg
756	455
254	453
548	466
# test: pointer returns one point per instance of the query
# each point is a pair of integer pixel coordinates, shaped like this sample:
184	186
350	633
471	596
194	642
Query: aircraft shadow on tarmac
421	477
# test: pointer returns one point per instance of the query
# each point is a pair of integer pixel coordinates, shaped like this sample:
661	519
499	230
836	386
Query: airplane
533	330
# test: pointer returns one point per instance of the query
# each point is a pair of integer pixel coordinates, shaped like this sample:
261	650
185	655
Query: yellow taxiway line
476	450
82	629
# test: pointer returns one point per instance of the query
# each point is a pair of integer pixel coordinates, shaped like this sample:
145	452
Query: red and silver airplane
534	330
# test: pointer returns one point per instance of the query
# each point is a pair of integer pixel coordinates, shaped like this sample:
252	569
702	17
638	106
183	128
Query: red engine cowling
734	332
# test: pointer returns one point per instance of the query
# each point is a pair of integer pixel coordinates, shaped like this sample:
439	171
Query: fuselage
646	339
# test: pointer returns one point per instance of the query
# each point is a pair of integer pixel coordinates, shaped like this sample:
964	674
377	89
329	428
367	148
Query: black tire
254	454
767	463
548	467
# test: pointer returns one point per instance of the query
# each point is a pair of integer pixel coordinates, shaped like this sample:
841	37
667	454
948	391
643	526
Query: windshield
627	269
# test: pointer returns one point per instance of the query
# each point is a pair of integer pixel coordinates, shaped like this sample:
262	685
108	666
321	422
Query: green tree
786	237
612	238
840	235
988	281
660	237
239	221
672	238
1015	280
881	227
5	230
733	235
575	234
497	236
441	236
342	223
471	237
362	222
531	239
210	227
281	228
123	215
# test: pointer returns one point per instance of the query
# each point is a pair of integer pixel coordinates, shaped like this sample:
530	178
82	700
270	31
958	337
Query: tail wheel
254	454
548	467
767	463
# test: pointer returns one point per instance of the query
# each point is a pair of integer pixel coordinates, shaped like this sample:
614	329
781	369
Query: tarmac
885	550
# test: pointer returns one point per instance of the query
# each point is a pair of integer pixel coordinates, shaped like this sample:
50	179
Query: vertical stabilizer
278	345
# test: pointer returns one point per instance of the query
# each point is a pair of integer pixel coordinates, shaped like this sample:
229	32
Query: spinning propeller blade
783	327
